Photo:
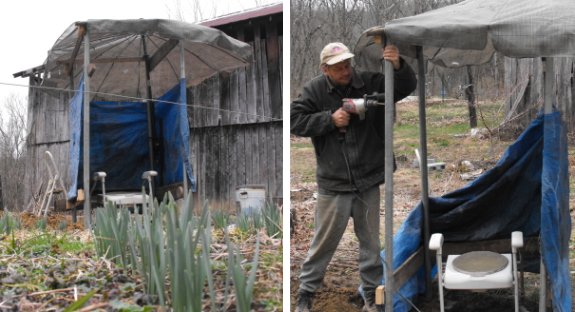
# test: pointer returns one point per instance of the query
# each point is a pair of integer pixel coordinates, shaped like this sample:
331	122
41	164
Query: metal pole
542	286
389	114
86	123
548	77
149	105
184	101
424	174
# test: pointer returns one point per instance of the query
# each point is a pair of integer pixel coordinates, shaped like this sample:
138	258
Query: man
350	163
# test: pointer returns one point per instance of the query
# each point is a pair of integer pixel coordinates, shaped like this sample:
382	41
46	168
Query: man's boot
304	301
369	302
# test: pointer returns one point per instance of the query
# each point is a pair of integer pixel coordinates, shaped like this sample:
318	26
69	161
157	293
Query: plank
202	163
233	99
409	267
240	80
280	68
273	73
264	111
278	167
214	103
244	93
241	140
257	102
222	182
212	176
226	98
230	165
271	161
263	164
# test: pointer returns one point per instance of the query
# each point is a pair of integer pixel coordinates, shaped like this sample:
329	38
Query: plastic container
250	198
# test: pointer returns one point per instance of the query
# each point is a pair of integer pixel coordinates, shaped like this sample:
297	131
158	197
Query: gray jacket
353	160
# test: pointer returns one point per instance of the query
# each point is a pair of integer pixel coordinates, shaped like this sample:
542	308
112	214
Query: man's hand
340	118
391	53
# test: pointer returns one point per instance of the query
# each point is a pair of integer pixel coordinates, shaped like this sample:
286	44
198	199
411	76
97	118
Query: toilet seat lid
480	263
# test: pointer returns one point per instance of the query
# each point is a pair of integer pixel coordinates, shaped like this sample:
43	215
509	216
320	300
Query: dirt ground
41	268
339	291
54	221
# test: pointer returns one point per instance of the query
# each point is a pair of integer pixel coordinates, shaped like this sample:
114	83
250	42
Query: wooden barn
236	120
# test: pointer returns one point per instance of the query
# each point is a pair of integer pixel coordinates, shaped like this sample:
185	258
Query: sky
29	28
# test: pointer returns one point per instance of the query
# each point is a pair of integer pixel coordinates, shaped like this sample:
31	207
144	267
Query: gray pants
331	218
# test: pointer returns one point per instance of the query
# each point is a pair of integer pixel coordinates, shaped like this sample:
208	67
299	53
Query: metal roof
244	15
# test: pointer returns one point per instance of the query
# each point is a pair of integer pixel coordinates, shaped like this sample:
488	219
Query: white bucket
250	198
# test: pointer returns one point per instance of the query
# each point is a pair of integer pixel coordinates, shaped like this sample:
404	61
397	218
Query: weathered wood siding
48	130
518	71
225	157
236	119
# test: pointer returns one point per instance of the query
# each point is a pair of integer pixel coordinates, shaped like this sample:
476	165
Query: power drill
360	106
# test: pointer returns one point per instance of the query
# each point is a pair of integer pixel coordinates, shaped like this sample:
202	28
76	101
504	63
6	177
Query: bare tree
305	31
12	151
199	10
470	96
316	23
190	9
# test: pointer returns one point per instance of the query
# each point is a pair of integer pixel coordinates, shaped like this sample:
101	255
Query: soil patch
461	154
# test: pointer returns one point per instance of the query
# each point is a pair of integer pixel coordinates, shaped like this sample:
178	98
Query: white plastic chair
123	199
101	176
477	269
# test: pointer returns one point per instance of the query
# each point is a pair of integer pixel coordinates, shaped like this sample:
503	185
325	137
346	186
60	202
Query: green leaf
80	302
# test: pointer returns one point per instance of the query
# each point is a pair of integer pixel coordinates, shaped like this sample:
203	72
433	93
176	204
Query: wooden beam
105	60
162	51
81	27
160	54
409	267
29	72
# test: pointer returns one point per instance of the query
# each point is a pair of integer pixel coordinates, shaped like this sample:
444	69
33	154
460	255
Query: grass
447	126
46	243
445	121
52	244
304	168
300	145
8	223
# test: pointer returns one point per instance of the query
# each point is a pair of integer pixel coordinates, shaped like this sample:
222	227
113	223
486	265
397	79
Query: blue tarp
119	141
527	190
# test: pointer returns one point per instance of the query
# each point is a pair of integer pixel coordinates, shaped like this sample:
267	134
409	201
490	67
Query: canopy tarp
118	144
135	61
117	51
468	33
